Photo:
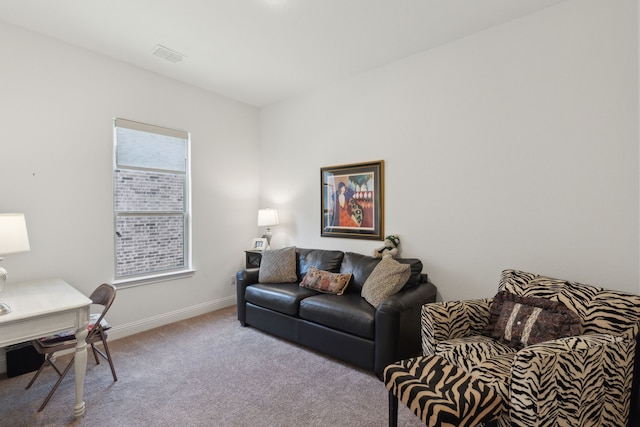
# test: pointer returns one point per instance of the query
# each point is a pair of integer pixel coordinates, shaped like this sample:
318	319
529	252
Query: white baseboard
121	331
142	325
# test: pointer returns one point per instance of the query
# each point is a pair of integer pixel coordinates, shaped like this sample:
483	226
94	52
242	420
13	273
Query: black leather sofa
343	326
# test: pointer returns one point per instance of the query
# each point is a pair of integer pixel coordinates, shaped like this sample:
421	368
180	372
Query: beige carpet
207	371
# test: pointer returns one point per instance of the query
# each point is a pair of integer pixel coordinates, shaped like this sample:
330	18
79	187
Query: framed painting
353	201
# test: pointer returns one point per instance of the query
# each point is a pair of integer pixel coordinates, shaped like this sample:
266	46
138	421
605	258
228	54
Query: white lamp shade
13	233
267	217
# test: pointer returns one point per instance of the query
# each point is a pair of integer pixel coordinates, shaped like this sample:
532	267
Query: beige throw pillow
386	279
278	266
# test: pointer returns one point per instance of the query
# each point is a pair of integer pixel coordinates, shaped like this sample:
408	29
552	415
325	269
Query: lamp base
4	309
267	235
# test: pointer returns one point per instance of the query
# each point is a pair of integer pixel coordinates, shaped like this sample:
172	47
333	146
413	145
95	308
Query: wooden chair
104	296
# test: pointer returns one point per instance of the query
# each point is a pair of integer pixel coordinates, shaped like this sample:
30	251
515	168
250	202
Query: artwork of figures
352	201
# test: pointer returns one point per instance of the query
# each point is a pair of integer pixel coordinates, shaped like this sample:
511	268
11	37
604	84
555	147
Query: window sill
154	278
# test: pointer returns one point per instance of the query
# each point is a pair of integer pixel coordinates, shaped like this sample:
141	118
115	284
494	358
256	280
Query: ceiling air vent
168	54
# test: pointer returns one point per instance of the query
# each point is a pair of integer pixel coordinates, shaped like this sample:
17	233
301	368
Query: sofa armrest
452	319
244	278
581	380
397	325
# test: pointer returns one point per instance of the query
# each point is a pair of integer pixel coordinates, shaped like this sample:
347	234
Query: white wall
57	103
514	148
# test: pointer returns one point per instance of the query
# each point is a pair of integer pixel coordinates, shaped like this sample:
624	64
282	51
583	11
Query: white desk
43	307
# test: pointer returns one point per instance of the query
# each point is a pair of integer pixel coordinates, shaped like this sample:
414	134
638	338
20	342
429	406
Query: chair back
104	295
600	310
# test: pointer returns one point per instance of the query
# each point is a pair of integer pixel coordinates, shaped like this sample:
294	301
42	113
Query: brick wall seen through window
151	199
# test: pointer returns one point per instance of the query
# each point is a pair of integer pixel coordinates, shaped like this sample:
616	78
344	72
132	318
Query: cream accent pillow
278	266
386	279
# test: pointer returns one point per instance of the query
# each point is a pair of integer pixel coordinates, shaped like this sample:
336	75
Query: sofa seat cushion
281	297
495	372
470	351
348	313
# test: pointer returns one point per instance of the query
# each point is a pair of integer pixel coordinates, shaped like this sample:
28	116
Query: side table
253	259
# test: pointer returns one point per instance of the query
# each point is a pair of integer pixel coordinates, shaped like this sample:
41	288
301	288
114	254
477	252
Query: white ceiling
262	51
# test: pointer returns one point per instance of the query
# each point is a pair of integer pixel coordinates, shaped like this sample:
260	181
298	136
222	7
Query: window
151	200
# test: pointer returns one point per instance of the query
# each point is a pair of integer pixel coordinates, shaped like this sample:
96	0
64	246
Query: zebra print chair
466	378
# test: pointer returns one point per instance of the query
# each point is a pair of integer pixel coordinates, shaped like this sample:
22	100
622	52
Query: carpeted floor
207	371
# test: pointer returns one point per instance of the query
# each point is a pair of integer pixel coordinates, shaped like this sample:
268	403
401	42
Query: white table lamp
266	218
13	239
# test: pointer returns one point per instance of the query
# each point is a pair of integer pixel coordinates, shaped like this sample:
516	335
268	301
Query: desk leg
80	367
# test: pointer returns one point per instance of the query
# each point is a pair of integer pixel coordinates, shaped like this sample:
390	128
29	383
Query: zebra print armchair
466	378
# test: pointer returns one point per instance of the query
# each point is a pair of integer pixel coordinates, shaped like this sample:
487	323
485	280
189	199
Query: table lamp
13	239
267	217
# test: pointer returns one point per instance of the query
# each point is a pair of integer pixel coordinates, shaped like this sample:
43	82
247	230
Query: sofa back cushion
321	259
361	267
416	271
600	310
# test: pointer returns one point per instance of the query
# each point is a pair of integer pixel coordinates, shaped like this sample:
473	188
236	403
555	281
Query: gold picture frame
352	201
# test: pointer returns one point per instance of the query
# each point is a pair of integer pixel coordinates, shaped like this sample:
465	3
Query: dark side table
253	259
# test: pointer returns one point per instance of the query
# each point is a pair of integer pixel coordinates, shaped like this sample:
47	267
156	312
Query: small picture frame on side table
259	244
